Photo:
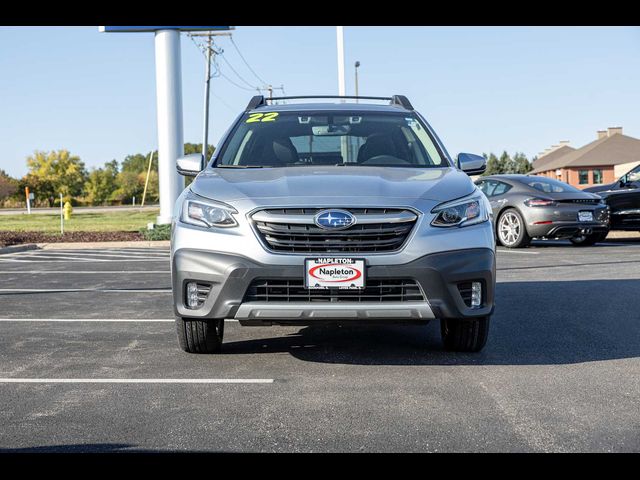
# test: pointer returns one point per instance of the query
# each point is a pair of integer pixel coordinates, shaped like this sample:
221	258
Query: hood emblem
334	219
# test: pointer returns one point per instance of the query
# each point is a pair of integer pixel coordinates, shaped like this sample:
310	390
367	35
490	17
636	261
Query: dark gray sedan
530	206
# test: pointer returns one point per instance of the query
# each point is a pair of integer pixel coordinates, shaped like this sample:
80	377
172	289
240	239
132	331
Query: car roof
321	107
510	176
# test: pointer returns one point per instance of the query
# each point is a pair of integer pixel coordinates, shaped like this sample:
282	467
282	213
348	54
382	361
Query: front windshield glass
549	185
288	139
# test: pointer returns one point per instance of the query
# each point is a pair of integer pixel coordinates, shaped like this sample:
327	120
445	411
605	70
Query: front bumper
230	276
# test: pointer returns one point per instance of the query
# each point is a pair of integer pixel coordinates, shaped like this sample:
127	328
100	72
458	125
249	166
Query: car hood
227	184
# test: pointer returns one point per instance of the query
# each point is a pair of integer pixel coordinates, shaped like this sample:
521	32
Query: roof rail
402	101
260	100
255	102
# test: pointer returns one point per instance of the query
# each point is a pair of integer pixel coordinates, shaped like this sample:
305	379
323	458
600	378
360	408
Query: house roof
611	150
551	156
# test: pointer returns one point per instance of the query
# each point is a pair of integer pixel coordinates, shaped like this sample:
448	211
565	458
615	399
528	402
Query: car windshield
549	185
287	139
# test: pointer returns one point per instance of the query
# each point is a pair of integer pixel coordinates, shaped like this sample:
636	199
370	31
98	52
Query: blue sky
482	88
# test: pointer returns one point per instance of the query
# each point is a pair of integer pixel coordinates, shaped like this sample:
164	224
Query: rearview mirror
471	164
189	165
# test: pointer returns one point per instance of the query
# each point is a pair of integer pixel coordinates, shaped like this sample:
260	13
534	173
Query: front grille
388	290
375	230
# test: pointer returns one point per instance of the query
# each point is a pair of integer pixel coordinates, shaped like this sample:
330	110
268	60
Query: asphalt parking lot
89	362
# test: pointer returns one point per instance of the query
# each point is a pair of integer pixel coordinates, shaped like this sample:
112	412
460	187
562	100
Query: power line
253	87
247	63
236	84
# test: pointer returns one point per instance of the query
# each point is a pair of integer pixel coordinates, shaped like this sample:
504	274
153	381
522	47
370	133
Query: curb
19	248
88	245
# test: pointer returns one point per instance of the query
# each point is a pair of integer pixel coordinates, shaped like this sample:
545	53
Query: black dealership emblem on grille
334	219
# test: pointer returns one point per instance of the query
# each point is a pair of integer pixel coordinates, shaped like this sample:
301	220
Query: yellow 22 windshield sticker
262	117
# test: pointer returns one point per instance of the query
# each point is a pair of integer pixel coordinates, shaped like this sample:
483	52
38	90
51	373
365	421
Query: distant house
604	160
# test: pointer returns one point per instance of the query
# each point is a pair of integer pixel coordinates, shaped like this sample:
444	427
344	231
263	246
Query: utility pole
357	64
205	133
270	89
340	45
209	53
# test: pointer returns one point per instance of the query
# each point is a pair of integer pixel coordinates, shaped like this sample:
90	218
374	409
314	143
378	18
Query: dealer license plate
331	272
585	216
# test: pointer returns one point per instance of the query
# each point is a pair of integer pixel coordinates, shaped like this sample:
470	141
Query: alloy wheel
509	228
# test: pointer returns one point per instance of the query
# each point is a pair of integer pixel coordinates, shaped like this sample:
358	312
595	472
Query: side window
484	186
489	187
634	175
501	189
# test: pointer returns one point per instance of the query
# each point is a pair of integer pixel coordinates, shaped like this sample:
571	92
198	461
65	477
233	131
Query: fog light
476	294
192	295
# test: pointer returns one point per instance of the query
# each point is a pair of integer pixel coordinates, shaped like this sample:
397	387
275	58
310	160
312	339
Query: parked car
623	198
530	206
332	212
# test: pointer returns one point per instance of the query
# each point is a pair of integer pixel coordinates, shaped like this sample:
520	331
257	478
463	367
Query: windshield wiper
241	166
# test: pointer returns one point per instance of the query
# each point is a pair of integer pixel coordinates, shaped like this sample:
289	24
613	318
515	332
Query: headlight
207	213
462	213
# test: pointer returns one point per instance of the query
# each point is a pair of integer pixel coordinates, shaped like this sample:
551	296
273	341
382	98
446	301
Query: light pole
357	64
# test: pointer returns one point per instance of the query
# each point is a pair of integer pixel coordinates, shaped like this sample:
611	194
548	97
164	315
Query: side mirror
189	165
471	164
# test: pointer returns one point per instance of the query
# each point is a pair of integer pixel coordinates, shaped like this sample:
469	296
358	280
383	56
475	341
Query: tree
55	172
506	164
101	183
139	162
8	185
129	186
522	165
493	165
197	148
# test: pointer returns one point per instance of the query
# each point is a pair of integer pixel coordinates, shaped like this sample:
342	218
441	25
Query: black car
623	198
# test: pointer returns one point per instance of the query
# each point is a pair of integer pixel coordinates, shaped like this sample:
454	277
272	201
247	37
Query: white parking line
517	251
86	260
136	380
96	320
69	290
87	255
9	272
88	320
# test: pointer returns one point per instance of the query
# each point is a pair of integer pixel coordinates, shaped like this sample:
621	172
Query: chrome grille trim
293	230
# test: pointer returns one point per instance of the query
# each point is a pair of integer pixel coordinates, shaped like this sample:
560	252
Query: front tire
465	334
588	240
200	335
512	230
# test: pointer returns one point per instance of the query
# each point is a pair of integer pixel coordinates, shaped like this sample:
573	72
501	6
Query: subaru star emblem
334	219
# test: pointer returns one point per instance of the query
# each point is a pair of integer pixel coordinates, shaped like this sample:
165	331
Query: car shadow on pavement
534	323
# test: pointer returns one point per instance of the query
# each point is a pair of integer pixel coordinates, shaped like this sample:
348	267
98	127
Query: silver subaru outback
332	212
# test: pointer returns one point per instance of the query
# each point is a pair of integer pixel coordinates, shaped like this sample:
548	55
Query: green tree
506	163
8	185
102	183
55	172
197	148
139	162
129	186
493	164
521	163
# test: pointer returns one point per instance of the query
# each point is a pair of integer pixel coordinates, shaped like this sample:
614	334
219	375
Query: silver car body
229	259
